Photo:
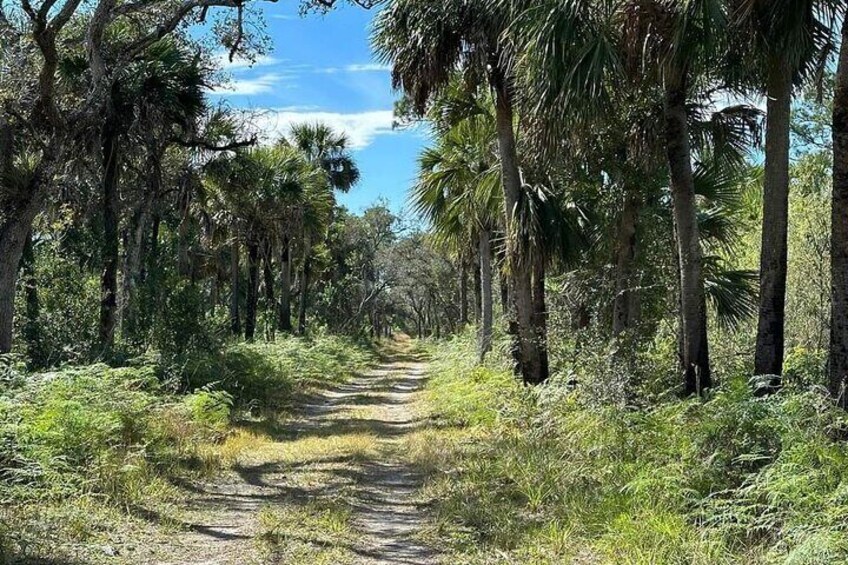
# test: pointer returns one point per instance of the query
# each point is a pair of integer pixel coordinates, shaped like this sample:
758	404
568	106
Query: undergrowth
82	446
551	475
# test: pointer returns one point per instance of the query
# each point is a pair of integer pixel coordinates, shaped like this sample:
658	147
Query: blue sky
321	68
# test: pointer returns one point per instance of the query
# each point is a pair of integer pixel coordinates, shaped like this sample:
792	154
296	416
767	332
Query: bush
265	375
555	477
210	408
183	327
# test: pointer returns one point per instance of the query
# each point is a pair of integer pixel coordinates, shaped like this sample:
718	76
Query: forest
609	325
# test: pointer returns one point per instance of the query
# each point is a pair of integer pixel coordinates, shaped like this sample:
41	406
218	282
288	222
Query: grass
88	453
320	532
550	475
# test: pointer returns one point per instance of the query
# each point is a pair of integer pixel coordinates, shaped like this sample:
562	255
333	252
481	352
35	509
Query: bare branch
94	38
330	4
210	146
239	31
171	24
64	15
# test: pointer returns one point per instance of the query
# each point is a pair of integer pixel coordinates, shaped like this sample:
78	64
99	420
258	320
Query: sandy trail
220	523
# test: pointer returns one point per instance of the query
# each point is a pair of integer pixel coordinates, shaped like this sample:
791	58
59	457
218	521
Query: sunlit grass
93	450
319	532
543	476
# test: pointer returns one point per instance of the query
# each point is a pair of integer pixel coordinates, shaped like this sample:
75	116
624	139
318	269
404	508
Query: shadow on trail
373	409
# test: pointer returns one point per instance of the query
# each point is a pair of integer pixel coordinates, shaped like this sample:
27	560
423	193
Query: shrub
210	408
555	477
265	375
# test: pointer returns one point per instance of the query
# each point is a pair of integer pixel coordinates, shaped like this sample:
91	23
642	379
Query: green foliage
555	477
68	296
185	327
118	436
803	366
211	408
265	375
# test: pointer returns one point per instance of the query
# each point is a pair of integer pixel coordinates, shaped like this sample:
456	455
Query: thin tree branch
210	146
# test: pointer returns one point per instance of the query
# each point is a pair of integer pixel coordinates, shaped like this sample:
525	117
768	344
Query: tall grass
117	437
553	476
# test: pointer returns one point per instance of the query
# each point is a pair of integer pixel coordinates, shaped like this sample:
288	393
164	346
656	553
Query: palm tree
260	187
427	42
328	150
577	53
166	91
838	356
786	39
458	192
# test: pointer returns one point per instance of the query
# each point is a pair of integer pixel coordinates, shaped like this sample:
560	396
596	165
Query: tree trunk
235	319
109	277
268	276
32	327
696	363
463	292
304	288
540	310
838	360
531	354
768	358
13	235
252	290
484	341
132	261
215	288
478	298
284	322
152	259
17	222
504	288
184	262
623	305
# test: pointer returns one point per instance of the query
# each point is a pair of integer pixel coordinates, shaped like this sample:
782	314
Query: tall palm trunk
184	263
304	288
624	304
268	276
768	358
478	298
503	283
235	274
252	289
463	291
109	252
838	360
484	343
531	355
696	361
540	309
284	316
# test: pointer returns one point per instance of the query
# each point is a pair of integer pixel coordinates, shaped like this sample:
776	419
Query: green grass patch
549	475
114	439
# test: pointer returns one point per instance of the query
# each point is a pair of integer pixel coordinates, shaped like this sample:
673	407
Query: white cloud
248	86
356	68
360	127
368	68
